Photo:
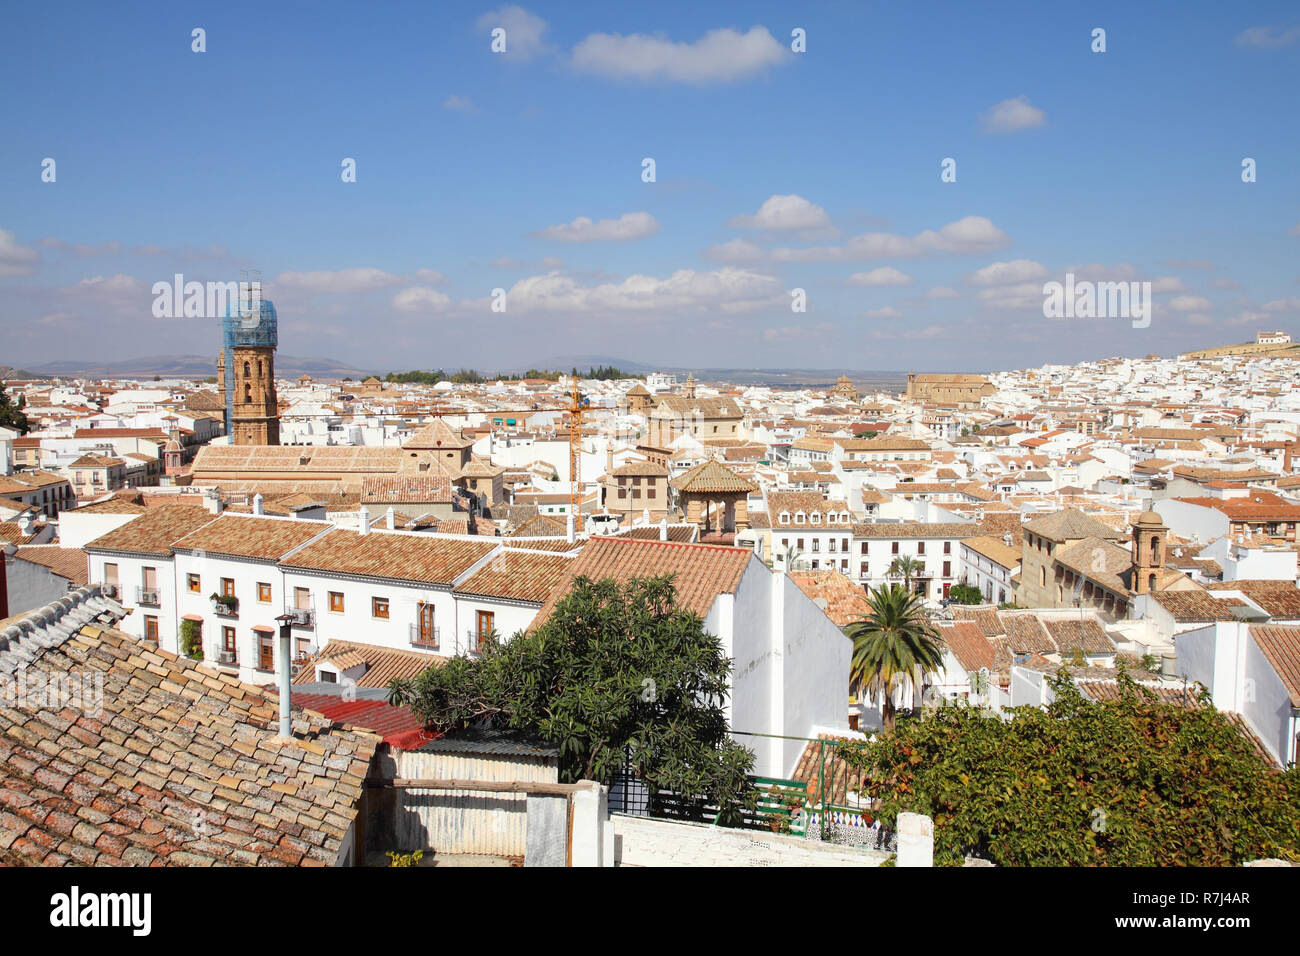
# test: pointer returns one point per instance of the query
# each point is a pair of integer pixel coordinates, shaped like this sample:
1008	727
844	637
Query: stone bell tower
246	376
1150	540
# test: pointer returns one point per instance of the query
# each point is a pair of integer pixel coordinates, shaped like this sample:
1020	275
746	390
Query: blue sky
775	171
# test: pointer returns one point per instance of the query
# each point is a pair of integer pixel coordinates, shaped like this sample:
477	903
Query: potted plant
190	640
224	603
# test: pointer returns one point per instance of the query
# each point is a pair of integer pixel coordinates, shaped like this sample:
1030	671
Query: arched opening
1151	582
247	370
1155	549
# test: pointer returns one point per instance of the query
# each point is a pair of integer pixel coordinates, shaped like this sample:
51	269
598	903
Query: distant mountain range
289	366
191	366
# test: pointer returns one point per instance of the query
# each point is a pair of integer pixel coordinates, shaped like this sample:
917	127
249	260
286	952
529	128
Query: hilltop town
1120	517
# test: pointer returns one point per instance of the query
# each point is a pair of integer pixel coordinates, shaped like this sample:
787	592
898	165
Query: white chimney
363	521
663	529
257	504
25	523
568	528
212	501
390	519
286	726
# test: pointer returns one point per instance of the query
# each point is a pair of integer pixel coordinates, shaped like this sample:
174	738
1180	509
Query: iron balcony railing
424	637
302	616
147	596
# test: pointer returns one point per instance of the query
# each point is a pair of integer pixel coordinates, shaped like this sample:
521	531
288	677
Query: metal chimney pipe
286	730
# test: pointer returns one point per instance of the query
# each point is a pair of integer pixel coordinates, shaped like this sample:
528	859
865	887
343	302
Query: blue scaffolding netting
245	328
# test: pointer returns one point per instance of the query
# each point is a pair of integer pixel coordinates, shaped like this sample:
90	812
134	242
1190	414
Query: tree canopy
617	671
894	639
1130	782
12	414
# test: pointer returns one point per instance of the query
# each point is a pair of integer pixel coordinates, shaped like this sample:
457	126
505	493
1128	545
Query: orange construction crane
576	405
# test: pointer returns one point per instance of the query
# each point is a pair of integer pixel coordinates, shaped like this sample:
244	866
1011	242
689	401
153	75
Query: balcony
147	597
225	606
110	590
228	658
424	638
302	616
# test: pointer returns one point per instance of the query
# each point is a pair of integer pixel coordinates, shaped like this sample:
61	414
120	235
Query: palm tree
906	567
893	640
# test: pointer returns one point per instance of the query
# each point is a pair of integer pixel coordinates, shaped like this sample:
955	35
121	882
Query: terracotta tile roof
995	549
174	743
843	601
155	531
712	477
915	529
250	536
1190	606
968	644
1026	634
985	617
67	563
822	767
437	434
518	575
700	572
1087	635
1281	645
1067	525
406	489
541	526
383	664
1280	599
405	556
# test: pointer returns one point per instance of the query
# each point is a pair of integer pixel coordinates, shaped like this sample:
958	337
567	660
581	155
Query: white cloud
336	281
737	250
1191	264
420	299
720	56
1007	273
1199	318
1099	272
972	234
430	276
885	275
784	212
1013	115
1165	284
1190	303
728	290
462	104
16	259
1023	295
1290	304
630	225
1268	38
887	312
1223	282
943	292
524	32
85	249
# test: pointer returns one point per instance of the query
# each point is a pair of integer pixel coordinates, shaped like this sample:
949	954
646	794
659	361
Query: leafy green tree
617	672
11	414
965	594
893	640
1130	782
